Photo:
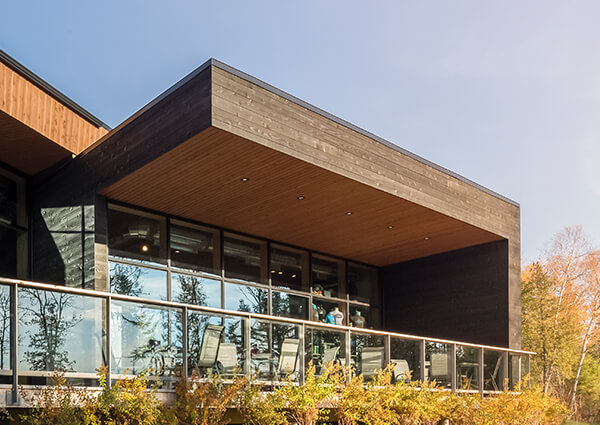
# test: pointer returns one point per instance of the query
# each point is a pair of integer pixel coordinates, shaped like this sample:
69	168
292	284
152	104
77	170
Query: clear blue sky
505	93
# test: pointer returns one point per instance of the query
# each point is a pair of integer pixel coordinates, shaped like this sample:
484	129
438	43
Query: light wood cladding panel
200	180
38	110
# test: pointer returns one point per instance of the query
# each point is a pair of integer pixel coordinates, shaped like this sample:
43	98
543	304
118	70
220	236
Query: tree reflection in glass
47	317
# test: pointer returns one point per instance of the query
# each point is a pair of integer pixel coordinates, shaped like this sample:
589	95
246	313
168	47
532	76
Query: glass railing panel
467	367
324	346
367	353
438	363
5	341
216	344
275	350
59	331
405	355
517	369
493	370
145	338
144	282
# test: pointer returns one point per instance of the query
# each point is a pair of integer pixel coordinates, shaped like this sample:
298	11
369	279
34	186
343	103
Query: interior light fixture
244	179
390	227
426	238
349	213
145	248
293	276
177	251
279	272
273	271
300	197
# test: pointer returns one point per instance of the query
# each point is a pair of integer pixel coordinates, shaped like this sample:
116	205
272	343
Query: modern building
227	226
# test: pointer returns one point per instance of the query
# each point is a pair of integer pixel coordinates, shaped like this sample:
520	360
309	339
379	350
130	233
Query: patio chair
209	349
288	358
494	376
330	355
371	361
401	370
227	359
439	367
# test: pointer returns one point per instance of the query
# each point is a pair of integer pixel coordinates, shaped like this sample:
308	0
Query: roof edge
50	90
292	98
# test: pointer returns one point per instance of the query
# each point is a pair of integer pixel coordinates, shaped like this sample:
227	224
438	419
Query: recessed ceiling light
279	272
426	238
244	179
145	248
390	227
293	276
273	271
177	251
300	197
349	213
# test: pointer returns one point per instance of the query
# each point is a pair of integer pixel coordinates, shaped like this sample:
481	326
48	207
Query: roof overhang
185	153
39	126
201	180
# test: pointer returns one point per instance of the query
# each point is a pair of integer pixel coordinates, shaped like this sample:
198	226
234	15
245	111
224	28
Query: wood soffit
201	180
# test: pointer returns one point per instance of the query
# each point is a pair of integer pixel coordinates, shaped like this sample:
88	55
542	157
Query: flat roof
227	68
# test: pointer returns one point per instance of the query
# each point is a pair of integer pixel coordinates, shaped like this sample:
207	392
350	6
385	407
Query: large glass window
362	284
290	305
245	258
246	298
327	276
137	281
196	290
8	200
195	248
136	235
289	268
13	226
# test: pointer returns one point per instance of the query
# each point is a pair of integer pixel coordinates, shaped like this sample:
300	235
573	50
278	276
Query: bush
203	402
336	393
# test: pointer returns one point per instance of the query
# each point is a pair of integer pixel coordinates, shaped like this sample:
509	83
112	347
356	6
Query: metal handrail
220	311
15	284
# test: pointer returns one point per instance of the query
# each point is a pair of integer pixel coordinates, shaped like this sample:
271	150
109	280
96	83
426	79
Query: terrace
77	331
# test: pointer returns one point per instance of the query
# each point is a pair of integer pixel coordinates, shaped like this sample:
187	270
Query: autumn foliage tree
561	312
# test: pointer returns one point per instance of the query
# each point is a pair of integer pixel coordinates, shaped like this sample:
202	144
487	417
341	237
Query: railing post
422	360
108	353
184	342
505	371
301	353
481	371
388	349
14	339
528	370
453	365
348	351
247	346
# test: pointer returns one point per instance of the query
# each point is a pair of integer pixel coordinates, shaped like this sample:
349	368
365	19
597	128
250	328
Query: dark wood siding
461	295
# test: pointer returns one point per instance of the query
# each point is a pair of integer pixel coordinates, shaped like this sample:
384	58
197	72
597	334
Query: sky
505	93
